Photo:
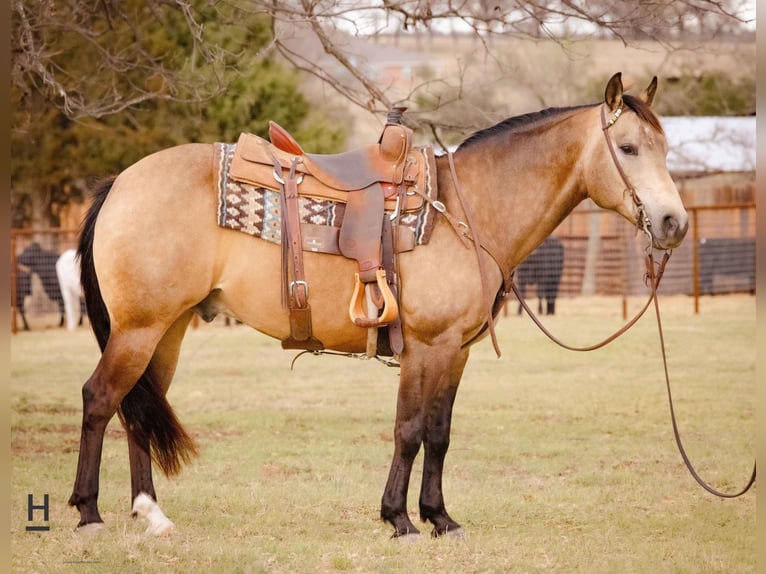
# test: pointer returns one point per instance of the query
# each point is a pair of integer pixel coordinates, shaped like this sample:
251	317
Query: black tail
145	412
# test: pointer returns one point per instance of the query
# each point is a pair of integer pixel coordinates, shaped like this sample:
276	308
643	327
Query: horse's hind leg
124	359
143	495
24	321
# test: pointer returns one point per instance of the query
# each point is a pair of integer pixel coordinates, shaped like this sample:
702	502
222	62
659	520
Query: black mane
517	123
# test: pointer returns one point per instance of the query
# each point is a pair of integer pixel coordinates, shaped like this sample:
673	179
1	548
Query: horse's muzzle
673	231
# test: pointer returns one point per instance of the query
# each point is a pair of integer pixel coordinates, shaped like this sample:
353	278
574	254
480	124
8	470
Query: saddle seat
391	163
354	169
386	176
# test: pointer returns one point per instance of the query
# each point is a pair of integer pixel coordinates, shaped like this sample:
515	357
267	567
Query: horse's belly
251	290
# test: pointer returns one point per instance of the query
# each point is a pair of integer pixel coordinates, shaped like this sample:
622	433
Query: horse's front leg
428	382
436	439
408	435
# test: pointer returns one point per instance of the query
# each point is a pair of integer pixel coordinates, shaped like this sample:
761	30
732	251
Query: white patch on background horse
68	272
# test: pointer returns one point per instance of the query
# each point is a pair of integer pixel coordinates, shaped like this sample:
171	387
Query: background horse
144	277
543	268
43	263
23	290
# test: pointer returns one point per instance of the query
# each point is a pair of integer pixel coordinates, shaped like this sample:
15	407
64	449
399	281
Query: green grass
560	461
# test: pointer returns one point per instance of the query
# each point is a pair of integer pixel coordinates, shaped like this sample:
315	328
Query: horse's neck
519	188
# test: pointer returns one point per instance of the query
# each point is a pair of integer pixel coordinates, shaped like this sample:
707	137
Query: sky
369	21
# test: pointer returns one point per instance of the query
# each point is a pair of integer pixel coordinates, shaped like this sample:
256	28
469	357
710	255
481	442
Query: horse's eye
629	149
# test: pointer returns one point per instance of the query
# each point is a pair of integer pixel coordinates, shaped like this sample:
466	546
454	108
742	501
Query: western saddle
388	176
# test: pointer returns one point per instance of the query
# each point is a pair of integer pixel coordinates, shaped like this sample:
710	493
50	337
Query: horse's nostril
673	228
669	224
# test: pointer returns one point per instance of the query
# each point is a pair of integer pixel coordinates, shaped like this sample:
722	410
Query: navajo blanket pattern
257	210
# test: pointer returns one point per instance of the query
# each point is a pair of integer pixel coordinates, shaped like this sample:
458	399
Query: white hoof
159	524
91	529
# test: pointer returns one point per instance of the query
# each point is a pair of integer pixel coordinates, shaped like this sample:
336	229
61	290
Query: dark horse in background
145	277
42	262
23	290
543	268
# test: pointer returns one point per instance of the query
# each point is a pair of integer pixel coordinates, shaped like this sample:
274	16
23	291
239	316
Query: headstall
642	220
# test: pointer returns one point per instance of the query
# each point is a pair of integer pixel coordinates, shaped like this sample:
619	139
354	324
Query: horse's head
630	174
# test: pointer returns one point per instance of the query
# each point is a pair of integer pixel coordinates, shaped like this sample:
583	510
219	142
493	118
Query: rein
676	432
653	277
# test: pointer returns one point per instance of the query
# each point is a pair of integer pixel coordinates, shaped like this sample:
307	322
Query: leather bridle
643	223
642	220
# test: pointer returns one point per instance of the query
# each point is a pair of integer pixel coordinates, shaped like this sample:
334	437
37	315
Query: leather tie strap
396	341
298	288
295	287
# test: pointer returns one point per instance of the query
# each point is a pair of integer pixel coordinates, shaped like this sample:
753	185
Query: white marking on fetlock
159	524
91	529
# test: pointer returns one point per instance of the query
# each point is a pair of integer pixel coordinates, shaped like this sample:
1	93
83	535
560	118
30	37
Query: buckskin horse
152	254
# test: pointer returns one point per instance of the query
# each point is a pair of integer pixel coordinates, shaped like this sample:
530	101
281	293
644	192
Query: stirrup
357	308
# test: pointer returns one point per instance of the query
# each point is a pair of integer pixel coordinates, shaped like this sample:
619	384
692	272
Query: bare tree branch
127	73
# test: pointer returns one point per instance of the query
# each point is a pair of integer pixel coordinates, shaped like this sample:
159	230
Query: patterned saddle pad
256	210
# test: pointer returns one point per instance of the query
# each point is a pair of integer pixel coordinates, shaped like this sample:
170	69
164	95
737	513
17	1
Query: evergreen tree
178	95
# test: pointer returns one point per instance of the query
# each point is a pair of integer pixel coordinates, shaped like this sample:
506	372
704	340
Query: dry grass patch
560	462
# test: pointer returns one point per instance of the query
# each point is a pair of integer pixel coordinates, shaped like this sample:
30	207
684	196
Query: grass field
560	461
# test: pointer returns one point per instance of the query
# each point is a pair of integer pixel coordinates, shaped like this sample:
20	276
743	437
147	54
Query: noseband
642	220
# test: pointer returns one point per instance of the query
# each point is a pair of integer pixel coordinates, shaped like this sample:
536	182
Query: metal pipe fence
602	255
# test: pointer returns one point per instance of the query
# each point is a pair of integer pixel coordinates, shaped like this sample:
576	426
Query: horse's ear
648	95
613	92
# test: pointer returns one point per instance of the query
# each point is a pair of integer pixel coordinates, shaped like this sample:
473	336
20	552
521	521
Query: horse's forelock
643	111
